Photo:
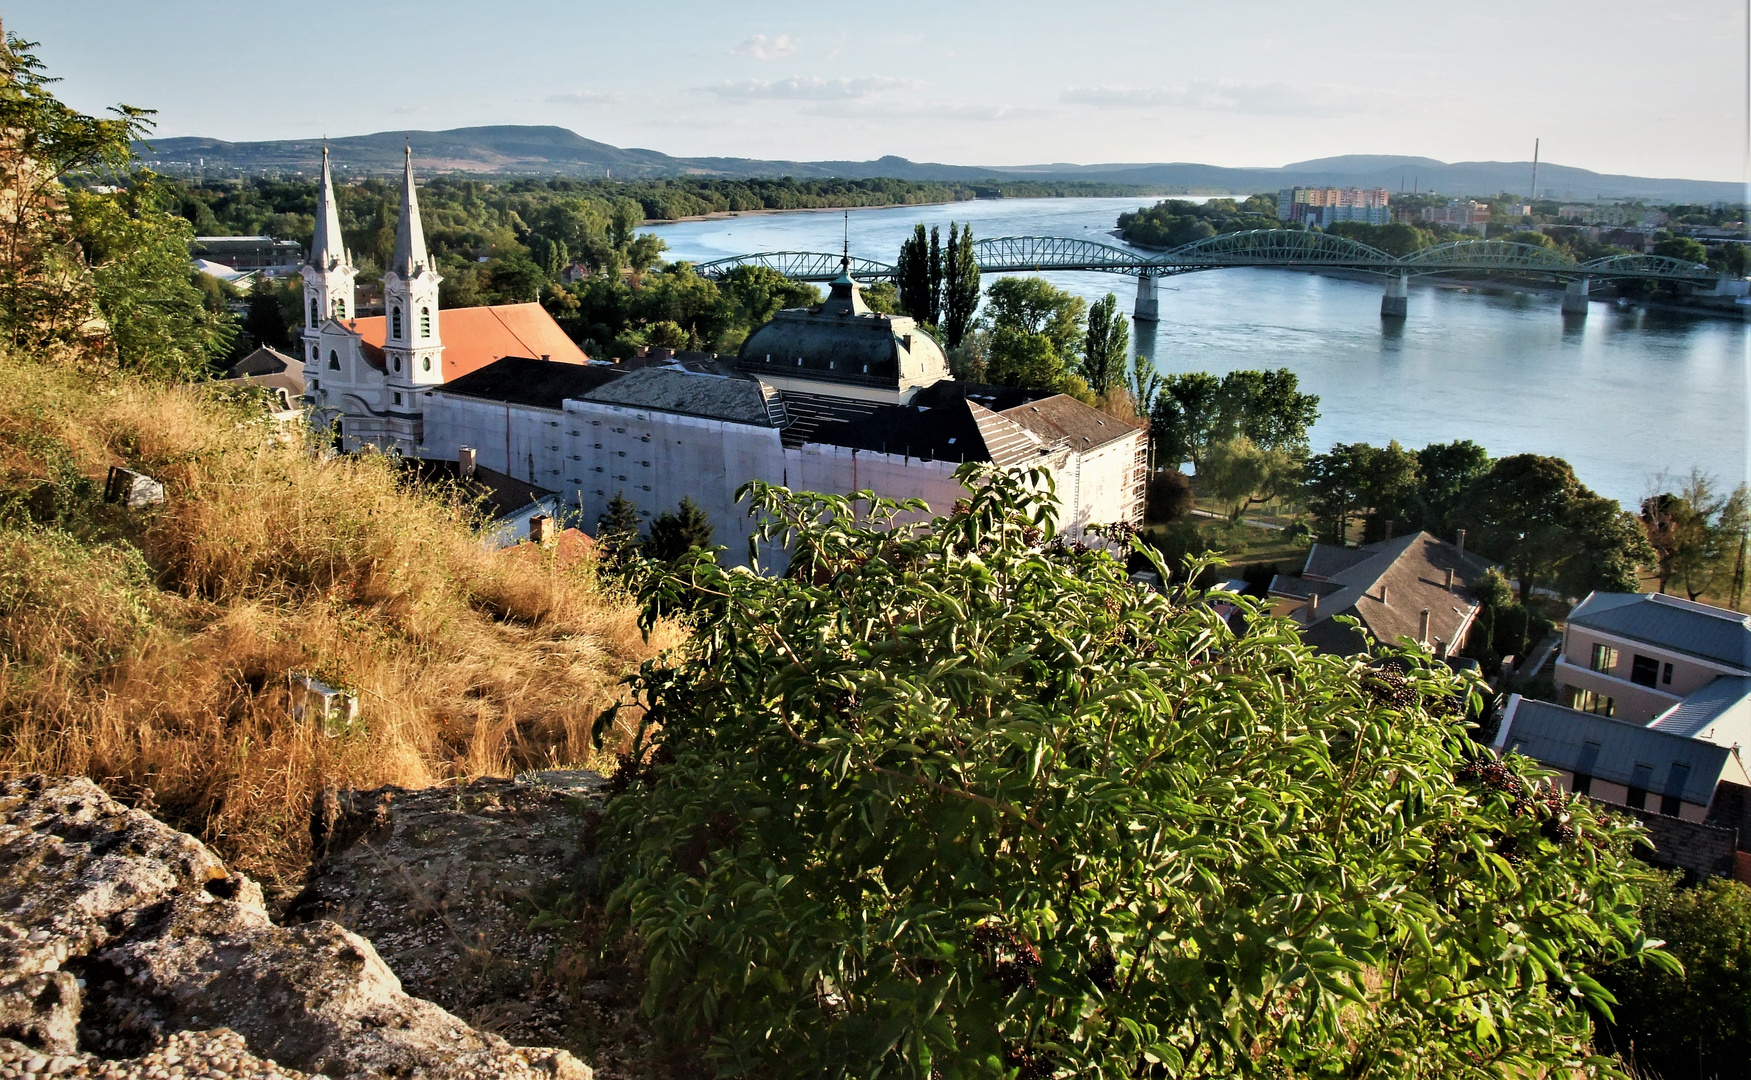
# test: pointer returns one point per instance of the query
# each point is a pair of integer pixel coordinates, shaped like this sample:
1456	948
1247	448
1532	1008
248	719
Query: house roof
1412	569
1612	750
477	336
520	380
1063	420
683	390
1683	626
497	494
937	425
1719	713
272	368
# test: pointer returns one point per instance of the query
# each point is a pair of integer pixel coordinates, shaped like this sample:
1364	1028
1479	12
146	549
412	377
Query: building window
398	363
1643	670
1640	778
315	312
340	308
333	360
425	363
1604	658
1588	701
395	323
1666	675
315	353
1584	766
425	322
1676	778
398	399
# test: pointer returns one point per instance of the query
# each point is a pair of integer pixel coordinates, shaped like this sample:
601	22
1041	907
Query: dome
841	341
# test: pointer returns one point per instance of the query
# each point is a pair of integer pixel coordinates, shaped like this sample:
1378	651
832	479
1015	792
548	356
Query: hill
530	150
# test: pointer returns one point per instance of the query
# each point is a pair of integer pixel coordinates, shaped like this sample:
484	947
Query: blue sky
1633	87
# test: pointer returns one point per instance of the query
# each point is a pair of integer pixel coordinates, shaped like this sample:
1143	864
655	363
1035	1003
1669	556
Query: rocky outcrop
119	934
485	899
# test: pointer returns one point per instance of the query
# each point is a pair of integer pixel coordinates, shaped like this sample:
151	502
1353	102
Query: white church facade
834	398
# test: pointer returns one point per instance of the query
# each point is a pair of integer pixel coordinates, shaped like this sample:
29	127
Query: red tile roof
476	336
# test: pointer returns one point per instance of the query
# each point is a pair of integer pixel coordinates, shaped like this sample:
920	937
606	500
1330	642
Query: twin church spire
410	342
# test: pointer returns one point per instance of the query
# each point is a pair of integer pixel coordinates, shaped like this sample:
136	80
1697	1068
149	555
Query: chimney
465	456
1461	543
541	530
1313	609
1423	626
1383	592
1449	579
1389	527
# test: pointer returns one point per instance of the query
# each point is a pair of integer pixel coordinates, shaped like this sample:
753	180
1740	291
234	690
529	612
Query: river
1624	395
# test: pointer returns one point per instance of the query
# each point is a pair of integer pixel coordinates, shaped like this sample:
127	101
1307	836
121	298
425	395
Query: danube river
1624	395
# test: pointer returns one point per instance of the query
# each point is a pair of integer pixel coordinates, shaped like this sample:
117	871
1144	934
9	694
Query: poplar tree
960	289
934	278
1104	347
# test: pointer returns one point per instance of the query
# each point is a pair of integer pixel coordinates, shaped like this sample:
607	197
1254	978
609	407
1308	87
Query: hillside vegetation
150	649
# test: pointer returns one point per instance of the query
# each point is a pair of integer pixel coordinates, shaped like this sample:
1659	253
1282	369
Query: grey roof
843	341
1720	713
1061	420
679	390
327	248
1699	630
521	380
1329	560
1300	588
1412	569
1566	738
410	239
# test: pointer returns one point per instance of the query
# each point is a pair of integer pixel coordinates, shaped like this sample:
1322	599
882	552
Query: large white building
835	398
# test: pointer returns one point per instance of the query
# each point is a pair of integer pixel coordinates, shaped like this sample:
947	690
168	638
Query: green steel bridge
1283	248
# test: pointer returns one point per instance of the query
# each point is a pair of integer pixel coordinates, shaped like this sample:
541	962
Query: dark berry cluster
1494	775
1013	956
629	770
1028	1063
1103	971
1388	687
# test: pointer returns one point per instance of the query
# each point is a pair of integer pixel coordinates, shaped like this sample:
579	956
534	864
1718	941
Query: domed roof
842	341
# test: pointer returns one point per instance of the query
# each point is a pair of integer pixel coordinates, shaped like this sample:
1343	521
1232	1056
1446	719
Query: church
833	398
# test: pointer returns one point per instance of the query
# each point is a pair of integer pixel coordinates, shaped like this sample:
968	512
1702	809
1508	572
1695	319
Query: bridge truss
1285	248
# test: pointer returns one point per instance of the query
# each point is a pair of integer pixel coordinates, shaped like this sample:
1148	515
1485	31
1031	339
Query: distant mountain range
516	150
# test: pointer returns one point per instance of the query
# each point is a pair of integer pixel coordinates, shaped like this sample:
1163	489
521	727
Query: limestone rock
168	942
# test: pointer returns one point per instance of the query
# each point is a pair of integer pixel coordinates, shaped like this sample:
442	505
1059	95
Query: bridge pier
1575	297
1396	303
1148	307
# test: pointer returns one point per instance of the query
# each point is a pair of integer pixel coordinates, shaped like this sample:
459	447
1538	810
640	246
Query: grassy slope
150	649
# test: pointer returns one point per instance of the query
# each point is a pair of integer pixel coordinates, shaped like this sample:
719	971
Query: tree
960	287
1184	418
1034	305
1239	473
1530	513
1691	1024
1445	473
1696	533
1354	480
1196	410
676	532
933	278
1682	247
920	277
1105	345
265	322
882	297
617	535
1168	497
1016	357
1143	383
959	800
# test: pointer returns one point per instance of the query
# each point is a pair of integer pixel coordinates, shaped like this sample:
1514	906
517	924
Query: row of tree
939	286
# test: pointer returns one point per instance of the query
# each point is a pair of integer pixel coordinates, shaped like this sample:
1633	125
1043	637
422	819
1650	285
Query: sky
1617	86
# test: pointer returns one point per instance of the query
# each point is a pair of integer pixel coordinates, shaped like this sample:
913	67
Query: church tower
412	349
328	276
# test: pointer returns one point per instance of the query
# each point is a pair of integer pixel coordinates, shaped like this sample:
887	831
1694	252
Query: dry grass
150	649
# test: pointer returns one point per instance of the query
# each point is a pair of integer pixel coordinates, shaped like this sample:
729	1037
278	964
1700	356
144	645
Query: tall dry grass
151	649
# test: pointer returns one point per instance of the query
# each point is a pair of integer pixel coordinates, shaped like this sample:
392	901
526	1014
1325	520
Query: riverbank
720	215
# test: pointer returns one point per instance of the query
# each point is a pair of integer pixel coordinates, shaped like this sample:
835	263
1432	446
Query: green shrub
1695	1023
960	801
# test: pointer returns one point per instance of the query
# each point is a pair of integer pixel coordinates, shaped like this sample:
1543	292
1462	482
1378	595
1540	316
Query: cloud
1223	95
585	97
804	88
761	47
923	110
